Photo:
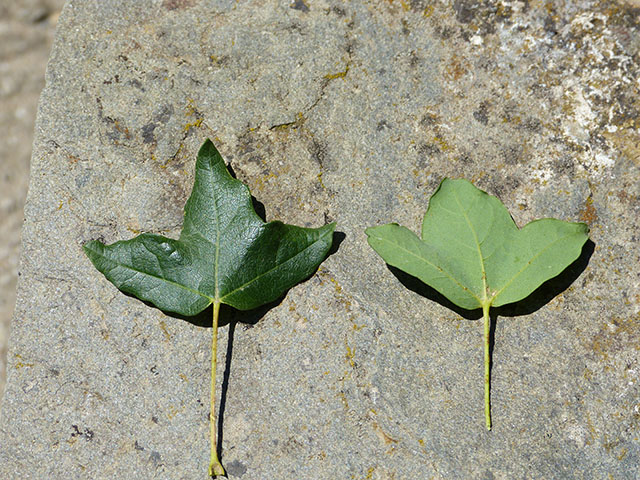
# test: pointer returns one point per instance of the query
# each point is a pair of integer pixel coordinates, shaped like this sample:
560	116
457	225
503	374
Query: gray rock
24	49
350	112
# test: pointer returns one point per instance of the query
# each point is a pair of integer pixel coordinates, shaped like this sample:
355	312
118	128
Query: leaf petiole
215	467
487	364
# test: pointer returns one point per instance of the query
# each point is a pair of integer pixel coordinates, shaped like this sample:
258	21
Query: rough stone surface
345	111
26	33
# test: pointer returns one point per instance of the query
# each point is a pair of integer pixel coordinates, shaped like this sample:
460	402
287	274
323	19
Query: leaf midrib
479	250
217	245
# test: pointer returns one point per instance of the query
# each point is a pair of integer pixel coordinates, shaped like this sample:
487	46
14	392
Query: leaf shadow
536	300
551	288
418	286
225	387
338	238
227	314
231	316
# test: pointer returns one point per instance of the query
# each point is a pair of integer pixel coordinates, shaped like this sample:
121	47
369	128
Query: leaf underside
473	253
225	253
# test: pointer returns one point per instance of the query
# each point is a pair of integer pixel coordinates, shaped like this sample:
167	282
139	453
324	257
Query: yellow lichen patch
342	74
175	155
442	143
163	327
456	68
173	411
133	226
284	127
623	453
355	326
616	335
217	61
191	111
20	364
403	4
191	125
121	129
351	353
260	183
337	286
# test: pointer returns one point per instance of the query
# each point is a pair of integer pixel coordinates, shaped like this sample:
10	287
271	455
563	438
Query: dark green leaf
225	253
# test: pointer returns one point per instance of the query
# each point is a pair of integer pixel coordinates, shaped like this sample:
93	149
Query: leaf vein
140	272
243	286
528	264
475	237
446	273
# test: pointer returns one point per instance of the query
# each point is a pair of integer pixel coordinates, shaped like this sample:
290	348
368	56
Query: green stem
215	467
487	365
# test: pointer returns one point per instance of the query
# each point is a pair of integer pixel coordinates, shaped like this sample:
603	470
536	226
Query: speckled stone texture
26	34
345	111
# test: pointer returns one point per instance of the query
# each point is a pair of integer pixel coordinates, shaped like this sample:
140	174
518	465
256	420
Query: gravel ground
26	33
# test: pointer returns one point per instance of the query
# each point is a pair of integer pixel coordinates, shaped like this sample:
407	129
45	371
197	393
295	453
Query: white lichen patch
476	40
541	174
596	163
603	161
577	434
580	116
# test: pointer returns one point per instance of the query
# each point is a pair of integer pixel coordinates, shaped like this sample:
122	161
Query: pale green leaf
472	252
